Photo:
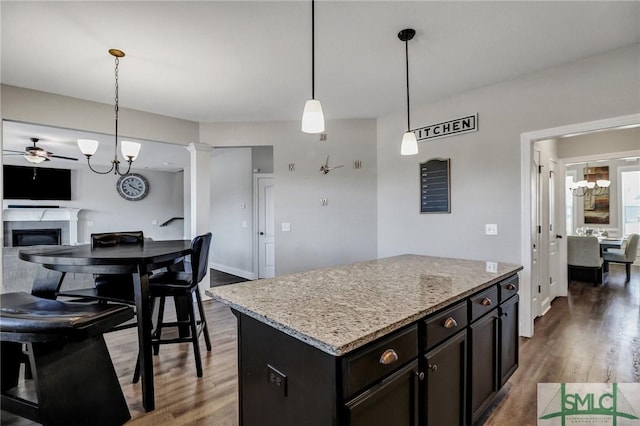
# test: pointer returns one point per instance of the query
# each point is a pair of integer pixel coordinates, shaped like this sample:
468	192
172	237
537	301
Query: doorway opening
528	311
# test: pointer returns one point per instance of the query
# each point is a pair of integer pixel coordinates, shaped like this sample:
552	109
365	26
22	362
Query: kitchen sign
448	128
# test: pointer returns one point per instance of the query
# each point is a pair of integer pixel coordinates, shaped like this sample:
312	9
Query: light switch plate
286	226
491	229
492	267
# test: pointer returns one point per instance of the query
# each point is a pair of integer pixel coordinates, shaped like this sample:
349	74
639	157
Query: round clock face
133	187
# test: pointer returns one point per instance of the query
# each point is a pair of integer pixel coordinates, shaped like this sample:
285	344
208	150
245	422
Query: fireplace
34	237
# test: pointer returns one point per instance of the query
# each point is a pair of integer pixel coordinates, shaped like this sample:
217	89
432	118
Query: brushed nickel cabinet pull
450	323
511	287
420	375
486	302
388	357
433	367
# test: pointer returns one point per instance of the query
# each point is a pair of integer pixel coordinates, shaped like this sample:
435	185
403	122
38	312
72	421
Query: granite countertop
342	308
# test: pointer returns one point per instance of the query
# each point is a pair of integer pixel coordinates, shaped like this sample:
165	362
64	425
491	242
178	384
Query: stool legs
75	382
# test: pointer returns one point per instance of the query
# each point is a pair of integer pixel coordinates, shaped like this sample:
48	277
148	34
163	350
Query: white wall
600	144
104	210
485	165
343	231
231	223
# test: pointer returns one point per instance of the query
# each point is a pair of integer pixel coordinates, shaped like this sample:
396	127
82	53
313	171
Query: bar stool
74	378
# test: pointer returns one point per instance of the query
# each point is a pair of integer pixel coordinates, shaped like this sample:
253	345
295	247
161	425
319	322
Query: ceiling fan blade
62	157
5	151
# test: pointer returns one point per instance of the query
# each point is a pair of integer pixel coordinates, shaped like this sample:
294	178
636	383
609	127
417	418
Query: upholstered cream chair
583	258
628	257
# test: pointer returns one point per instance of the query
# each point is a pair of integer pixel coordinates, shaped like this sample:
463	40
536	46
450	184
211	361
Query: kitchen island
403	340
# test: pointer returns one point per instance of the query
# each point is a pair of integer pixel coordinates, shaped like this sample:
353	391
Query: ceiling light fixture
130	150
584	187
409	145
312	116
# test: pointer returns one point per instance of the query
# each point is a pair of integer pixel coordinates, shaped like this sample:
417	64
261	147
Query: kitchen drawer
508	288
483	302
445	324
374	362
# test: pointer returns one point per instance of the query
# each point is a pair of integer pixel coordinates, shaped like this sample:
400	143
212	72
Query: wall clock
325	169
132	187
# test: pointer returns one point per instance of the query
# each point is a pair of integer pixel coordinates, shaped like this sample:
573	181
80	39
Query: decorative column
200	195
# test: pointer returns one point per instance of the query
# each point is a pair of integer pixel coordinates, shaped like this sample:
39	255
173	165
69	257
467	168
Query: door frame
256	225
527	311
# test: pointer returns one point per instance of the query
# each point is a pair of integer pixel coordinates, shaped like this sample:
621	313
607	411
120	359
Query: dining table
137	260
608	243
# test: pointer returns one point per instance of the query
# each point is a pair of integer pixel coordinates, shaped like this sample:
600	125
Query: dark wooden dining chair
73	375
109	287
183	288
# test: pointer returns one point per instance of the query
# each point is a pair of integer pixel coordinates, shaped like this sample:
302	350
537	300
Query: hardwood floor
590	336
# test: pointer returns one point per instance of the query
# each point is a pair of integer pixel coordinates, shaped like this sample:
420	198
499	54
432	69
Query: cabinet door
509	339
483	363
393	402
445	386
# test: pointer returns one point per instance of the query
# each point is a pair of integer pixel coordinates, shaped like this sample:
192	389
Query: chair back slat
200	256
109	239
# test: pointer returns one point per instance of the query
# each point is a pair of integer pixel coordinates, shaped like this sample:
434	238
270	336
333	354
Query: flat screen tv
39	183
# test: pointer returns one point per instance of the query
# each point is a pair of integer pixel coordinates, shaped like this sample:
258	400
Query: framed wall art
435	186
596	207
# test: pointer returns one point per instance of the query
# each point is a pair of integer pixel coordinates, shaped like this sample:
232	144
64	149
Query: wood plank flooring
591	336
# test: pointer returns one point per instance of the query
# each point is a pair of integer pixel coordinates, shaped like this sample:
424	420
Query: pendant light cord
313	50
406	51
116	109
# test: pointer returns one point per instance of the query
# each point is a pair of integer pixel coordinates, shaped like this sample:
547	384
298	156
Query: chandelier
130	150
583	187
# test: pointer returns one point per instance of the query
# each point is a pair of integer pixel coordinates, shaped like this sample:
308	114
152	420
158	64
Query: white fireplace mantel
45	214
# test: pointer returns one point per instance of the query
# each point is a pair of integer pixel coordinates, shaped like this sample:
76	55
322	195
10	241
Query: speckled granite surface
340	309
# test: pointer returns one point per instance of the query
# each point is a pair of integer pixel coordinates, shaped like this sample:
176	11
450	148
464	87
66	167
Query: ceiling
217	61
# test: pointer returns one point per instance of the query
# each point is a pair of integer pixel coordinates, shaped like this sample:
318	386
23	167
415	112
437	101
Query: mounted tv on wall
36	183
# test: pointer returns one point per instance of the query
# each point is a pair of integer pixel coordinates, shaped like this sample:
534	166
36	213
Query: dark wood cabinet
483	363
509	339
445	382
442	369
393	402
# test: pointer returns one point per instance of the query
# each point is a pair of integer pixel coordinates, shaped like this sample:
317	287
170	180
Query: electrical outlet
286	226
277	379
492	267
491	229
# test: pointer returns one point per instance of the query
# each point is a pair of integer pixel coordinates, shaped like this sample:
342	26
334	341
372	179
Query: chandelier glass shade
312	116
584	187
130	150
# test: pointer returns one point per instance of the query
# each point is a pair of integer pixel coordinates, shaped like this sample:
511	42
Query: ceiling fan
35	154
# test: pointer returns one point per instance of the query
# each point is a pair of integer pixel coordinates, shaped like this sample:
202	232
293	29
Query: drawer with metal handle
483	302
508	288
372	363
445	324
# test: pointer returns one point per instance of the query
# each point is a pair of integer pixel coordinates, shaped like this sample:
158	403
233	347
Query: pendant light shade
409	144
312	116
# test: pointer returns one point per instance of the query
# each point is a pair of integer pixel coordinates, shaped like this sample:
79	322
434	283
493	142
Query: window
630	199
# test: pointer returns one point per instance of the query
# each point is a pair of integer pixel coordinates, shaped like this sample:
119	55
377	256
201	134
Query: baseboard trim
233	271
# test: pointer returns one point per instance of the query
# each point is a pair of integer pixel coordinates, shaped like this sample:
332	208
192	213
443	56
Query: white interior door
535	233
266	228
554	228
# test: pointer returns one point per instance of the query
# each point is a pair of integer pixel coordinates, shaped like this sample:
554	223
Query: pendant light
130	150
312	117
409	145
